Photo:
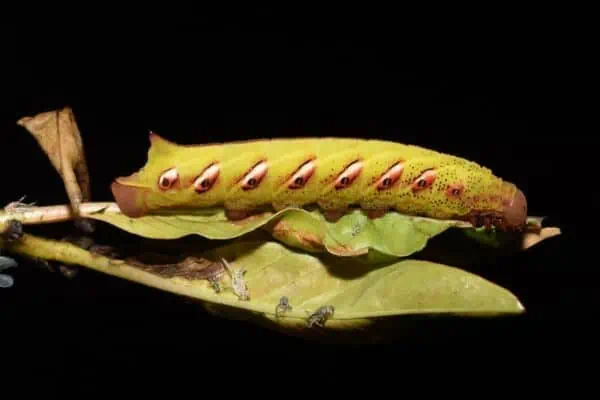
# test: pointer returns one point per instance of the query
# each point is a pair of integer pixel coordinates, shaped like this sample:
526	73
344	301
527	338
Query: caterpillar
333	174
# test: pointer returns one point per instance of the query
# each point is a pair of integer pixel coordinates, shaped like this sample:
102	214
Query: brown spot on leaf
285	232
191	268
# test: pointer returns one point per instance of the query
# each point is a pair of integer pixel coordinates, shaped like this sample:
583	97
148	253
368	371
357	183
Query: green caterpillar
333	174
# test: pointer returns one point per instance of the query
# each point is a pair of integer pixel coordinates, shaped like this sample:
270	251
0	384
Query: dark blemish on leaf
190	268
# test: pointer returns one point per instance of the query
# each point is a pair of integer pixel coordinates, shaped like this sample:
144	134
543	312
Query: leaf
394	234
6	263
58	135
6	281
362	296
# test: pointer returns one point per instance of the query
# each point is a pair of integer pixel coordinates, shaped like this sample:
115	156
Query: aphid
356	228
237	280
283	306
214	283
321	316
334	174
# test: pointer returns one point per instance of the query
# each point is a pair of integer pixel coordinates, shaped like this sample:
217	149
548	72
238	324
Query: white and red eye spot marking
302	175
207	178
255	176
168	179
455	190
349	175
424	181
391	176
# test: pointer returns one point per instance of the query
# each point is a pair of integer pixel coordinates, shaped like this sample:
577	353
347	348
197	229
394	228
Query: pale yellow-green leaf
362	295
355	234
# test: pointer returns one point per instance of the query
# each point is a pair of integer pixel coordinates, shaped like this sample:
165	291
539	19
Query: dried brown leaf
59	136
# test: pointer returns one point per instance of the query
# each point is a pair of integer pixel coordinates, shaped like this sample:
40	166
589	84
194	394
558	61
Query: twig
53	214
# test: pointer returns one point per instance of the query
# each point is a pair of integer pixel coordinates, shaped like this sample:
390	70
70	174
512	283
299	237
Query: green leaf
362	296
394	234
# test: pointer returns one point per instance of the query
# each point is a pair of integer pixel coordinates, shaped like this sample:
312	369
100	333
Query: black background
494	92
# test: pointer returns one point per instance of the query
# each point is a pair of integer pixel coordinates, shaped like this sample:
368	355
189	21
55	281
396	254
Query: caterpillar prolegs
333	174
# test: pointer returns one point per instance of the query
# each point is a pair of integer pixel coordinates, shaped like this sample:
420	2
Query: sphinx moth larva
333	174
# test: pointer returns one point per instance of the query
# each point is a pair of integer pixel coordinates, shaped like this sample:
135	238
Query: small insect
356	228
237	281
283	306
321	316
214	283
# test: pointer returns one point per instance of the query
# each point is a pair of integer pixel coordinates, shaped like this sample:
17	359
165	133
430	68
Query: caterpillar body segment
333	174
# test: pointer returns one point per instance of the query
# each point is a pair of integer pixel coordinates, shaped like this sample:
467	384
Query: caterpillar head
515	211
512	215
499	204
168	179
